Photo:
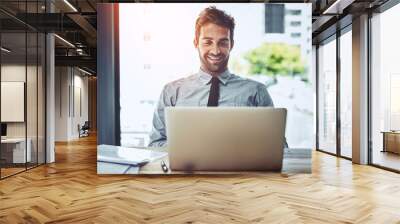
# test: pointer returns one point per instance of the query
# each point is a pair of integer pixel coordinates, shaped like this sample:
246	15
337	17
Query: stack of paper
128	156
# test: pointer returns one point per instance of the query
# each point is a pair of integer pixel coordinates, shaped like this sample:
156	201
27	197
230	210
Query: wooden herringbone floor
69	191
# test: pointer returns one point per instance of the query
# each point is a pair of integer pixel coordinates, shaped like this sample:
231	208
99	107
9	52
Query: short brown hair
215	16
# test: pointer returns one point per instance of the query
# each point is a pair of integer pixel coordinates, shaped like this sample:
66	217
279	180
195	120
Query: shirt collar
205	77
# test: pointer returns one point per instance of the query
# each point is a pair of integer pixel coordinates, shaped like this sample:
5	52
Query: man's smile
215	59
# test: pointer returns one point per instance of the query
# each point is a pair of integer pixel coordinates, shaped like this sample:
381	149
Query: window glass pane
386	89
346	94
22	87
31	96
327	97
41	98
13	87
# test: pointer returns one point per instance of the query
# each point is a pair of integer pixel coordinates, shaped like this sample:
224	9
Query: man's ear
232	43
195	43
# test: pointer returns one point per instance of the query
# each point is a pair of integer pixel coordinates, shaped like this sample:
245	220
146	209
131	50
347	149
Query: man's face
214	46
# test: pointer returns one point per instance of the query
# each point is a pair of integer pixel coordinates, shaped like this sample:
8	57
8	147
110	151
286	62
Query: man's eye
207	43
224	43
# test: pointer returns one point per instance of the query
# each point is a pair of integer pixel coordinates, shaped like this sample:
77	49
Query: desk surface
390	132
295	160
13	140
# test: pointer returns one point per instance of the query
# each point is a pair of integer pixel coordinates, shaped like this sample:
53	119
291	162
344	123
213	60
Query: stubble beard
213	69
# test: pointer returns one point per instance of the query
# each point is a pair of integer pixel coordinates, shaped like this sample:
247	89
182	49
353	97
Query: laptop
225	138
3	131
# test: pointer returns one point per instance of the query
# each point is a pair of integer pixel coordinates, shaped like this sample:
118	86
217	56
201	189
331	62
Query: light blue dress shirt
234	91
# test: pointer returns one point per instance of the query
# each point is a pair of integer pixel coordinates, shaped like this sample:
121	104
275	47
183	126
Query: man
213	85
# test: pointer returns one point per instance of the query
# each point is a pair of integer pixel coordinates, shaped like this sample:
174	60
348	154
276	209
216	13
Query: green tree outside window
273	59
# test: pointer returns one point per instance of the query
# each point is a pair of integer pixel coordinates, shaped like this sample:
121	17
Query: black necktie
214	92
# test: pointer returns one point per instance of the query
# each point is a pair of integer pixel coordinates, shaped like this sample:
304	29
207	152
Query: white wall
70	83
79	117
13	73
62	81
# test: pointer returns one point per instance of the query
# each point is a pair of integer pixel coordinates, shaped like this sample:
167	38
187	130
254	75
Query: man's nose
215	49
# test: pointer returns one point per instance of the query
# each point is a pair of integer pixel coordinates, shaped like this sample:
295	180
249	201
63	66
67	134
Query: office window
385	89
22	94
41	107
13	87
274	18
294	12
31	100
295	23
346	94
327	97
295	35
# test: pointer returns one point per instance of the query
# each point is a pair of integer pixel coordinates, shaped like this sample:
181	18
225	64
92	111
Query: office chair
84	130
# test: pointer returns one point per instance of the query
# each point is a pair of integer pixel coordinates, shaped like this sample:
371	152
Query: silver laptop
225	138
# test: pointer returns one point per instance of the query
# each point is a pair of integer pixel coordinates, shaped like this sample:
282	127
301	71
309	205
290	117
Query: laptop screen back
3	129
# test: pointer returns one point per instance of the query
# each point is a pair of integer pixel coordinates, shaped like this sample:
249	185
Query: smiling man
213	84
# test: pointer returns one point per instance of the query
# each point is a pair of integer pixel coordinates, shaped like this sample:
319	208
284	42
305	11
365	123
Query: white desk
295	160
18	149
